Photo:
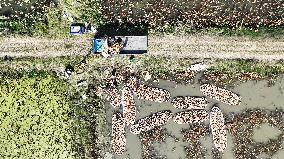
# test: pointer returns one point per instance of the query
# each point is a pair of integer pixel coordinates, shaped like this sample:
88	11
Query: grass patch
261	32
234	70
264	69
274	32
27	64
159	65
86	117
90	125
35	117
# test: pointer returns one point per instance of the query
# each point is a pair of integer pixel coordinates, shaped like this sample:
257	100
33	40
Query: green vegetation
229	72
235	67
260	32
28	64
35	117
161	66
252	18
157	65
44	18
57	26
89	124
83	11
23	16
164	65
244	31
85	117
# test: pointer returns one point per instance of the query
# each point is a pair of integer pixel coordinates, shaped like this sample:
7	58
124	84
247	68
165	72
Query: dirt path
197	46
17	47
217	47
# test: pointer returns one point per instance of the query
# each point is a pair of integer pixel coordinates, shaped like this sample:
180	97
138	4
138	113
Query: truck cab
77	29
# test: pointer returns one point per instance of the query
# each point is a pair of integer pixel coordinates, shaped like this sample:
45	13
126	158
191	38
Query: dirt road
217	47
197	46
28	46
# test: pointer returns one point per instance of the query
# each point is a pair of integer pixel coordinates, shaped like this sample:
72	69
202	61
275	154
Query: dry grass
196	13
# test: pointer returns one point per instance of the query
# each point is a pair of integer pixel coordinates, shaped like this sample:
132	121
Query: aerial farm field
210	86
254	127
257	121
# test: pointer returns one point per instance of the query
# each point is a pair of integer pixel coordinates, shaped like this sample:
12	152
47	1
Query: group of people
153	94
148	93
112	46
194	133
113	96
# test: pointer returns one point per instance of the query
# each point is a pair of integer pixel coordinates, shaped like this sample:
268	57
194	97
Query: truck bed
134	44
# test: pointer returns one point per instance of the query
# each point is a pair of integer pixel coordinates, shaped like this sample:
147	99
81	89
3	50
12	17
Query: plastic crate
97	45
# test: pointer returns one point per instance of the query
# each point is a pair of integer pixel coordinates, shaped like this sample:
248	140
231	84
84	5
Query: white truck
128	44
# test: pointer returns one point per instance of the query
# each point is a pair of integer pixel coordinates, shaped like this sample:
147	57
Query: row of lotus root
161	95
194	114
160	118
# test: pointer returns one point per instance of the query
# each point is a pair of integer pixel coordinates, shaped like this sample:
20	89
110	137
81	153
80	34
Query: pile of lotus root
194	111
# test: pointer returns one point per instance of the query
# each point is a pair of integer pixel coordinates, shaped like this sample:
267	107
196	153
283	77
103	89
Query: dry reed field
197	13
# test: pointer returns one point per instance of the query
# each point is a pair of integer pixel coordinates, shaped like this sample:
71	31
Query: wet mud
254	127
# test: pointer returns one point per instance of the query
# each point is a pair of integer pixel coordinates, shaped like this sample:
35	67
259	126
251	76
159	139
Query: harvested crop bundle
148	93
151	121
122	74
133	83
190	116
187	102
220	94
118	138
128	104
153	94
113	96
194	133
217	125
110	82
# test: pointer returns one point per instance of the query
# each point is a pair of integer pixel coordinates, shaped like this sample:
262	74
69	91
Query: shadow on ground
123	29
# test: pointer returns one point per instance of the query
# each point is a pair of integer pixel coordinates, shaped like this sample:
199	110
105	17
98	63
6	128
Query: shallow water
261	135
170	148
255	94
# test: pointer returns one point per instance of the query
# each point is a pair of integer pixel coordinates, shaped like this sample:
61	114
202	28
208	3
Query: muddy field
254	128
